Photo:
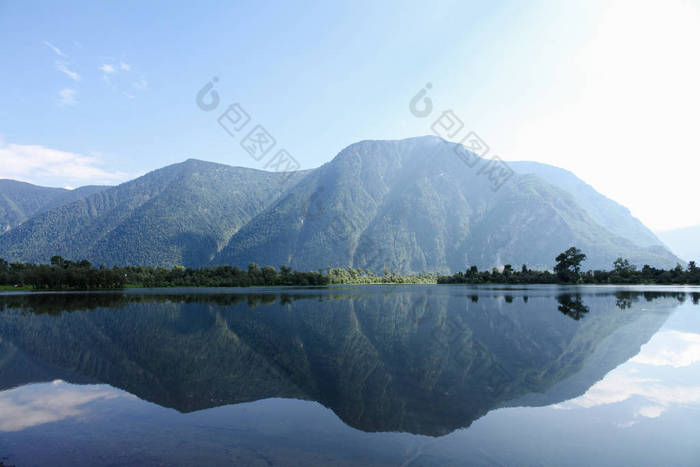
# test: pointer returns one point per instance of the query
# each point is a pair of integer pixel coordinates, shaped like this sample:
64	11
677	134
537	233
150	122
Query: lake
410	375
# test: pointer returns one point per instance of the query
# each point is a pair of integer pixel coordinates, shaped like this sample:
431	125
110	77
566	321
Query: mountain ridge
19	201
410	205
437	215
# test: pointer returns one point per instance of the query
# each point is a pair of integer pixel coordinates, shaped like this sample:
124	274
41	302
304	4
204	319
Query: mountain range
409	205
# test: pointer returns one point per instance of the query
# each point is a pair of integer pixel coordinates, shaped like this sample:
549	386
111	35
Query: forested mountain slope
181	214
413	205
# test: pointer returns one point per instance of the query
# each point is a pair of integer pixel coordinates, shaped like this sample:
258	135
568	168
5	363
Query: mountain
181	214
413	205
610	215
684	242
416	360
409	205
19	201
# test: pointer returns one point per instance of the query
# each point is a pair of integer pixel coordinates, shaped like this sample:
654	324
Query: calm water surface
378	375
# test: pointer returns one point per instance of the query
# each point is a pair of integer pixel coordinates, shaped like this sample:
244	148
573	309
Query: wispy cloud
119	76
66	97
56	50
42	165
106	68
63	68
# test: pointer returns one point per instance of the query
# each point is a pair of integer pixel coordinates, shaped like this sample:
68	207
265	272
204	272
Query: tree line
567	270
63	274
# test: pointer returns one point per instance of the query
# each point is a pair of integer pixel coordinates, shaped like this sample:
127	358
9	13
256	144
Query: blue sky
99	92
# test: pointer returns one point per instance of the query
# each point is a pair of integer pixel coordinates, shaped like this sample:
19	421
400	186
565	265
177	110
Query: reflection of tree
625	299
56	303
572	306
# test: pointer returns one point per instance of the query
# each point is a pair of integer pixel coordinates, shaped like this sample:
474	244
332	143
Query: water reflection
572	306
663	375
38	404
422	360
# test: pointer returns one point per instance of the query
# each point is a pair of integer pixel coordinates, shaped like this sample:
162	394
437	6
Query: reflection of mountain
421	359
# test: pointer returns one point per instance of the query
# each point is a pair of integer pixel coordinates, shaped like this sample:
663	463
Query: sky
101	92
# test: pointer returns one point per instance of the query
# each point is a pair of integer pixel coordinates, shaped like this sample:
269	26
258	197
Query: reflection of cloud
671	348
619	386
38	404
654	389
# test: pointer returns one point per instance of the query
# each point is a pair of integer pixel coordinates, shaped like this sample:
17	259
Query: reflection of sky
671	348
644	412
37	404
665	373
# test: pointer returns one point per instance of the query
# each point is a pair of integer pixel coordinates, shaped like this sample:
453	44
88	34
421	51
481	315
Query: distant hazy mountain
413	205
684	242
606	212
19	201
409	205
181	214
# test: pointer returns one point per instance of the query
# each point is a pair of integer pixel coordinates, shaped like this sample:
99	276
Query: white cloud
56	50
651	411
106	68
63	68
42	165
67	96
117	77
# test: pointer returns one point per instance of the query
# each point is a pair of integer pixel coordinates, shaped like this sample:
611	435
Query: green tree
623	267
568	267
